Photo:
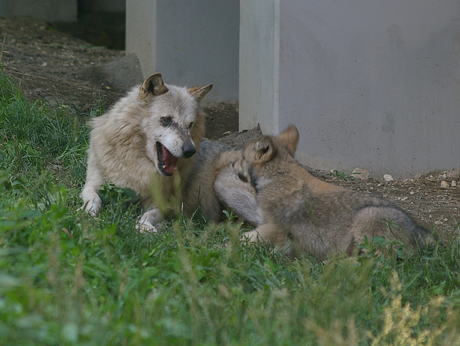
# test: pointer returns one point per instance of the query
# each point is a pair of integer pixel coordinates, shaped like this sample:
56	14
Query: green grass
68	279
342	175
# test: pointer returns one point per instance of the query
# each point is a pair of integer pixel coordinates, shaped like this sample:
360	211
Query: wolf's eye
243	177
166	120
190	126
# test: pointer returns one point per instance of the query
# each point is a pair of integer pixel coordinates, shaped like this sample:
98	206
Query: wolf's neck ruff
166	161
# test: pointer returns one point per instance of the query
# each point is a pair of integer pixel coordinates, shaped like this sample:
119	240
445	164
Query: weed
1	54
341	175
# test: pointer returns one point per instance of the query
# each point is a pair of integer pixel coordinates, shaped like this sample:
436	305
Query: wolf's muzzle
188	150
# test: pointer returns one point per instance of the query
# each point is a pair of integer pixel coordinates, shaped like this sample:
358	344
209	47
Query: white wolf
149	134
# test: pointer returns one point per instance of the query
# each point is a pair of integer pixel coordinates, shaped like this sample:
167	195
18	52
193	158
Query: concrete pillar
189	41
371	84
141	33
259	64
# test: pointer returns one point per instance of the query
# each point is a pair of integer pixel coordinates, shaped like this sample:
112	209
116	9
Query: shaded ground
58	67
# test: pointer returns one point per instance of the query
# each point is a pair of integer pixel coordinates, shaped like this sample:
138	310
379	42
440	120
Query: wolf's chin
166	161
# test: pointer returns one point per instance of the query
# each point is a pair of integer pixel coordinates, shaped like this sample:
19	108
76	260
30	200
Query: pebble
454	183
444	184
387	177
360	174
453	174
417	176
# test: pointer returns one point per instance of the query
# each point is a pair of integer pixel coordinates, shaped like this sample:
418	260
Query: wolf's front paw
148	220
92	206
146	227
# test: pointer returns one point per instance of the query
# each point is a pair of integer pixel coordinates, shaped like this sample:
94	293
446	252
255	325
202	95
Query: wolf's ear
289	139
200	91
264	149
152	86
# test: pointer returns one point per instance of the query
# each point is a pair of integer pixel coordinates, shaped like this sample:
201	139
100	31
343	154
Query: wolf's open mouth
166	160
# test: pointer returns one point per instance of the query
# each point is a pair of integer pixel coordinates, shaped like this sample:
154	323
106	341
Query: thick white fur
122	144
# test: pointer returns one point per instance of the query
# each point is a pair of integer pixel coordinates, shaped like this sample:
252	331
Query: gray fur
215	166
320	219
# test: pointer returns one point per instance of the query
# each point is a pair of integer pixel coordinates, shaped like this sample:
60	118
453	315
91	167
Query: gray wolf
148	135
216	159
315	217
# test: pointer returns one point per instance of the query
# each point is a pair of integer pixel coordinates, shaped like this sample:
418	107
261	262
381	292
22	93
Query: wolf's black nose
188	150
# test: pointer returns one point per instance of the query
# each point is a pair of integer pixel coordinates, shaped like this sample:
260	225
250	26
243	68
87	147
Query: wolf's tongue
169	160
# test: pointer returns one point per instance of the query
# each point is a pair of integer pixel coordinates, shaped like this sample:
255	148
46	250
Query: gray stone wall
189	41
370	84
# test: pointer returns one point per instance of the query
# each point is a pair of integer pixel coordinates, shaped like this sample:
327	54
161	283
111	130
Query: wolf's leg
148	220
238	195
91	201
267	233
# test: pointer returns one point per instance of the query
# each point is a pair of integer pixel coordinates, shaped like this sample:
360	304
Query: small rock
444	184
411	193
417	176
453	173
387	177
454	183
360	174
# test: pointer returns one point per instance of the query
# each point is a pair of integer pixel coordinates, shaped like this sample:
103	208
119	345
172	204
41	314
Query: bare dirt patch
51	65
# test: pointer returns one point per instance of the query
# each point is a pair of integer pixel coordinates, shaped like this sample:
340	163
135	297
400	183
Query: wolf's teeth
163	166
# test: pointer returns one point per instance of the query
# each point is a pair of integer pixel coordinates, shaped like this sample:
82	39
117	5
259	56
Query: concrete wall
52	10
189	41
259	65
371	84
141	33
102	5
